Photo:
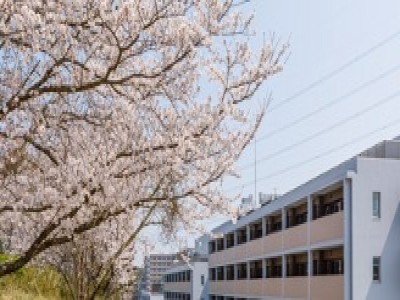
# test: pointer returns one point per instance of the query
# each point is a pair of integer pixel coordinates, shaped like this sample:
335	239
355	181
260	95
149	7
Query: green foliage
6	257
32	283
37	283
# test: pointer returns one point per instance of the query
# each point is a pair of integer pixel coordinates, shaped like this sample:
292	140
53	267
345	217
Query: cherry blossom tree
112	112
98	263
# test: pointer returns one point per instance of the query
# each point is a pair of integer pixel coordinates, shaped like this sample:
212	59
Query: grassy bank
32	283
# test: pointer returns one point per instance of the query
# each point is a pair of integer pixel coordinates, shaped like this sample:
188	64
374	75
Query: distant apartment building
334	237
154	267
187	279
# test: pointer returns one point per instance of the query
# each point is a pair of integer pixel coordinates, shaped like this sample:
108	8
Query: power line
336	71
332	150
332	102
323	131
323	79
255	169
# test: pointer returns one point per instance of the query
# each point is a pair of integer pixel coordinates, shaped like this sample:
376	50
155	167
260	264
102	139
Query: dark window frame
241	271
256	269
376	269
376	201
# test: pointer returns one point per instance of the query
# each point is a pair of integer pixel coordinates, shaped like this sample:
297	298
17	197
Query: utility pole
255	171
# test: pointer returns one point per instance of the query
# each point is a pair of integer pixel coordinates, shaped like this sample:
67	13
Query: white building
187	280
334	237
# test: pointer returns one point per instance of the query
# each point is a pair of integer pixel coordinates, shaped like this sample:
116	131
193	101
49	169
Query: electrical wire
332	102
325	130
336	71
330	151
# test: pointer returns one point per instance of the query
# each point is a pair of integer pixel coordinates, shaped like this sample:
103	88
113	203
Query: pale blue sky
325	35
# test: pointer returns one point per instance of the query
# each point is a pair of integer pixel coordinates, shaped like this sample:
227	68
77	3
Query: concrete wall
327	287
322	288
376	237
194	287
327	228
200	291
181	287
201	245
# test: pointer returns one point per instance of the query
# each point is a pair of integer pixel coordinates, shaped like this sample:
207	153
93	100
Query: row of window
158	269
322	206
273	269
161	263
273	223
162	257
176	296
183	276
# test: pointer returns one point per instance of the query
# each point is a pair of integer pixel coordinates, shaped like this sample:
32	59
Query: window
256	230
376	204
242	271
213	274
211	247
230	272
220	244
220	273
202	279
230	240
188	276
241	235
256	269
376	268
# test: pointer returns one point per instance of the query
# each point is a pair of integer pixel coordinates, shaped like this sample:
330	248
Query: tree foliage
124	114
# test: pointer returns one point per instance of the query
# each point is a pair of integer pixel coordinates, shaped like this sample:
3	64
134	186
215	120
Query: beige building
331	238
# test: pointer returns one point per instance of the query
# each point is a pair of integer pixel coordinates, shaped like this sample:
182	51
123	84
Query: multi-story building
334	237
187	280
155	266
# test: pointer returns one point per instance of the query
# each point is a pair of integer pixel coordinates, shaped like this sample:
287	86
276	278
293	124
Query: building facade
187	280
155	266
334	237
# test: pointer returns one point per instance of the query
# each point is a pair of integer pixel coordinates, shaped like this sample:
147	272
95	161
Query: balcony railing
327	209
230	240
242	271
328	267
275	227
274	272
241	236
255	233
296	220
299	269
256	273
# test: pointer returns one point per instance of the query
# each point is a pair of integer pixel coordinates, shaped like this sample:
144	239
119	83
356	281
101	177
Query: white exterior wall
199	291
195	288
376	237
201	245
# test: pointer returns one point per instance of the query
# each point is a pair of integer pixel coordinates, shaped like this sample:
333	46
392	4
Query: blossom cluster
124	113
